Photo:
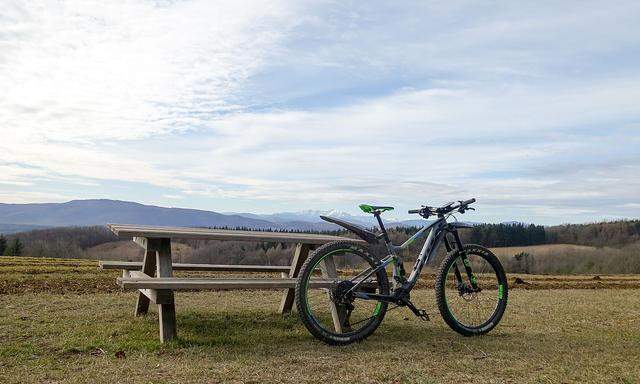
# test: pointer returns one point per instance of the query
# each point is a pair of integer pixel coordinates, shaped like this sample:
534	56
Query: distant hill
24	217
100	212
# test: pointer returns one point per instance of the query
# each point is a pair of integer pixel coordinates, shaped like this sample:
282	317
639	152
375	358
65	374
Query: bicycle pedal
423	315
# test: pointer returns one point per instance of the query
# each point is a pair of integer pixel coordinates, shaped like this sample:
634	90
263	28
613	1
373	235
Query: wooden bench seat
134	265
175	283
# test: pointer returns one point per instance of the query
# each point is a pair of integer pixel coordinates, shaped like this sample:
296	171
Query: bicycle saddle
366	208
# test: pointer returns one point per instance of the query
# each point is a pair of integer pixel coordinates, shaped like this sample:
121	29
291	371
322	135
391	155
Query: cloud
85	71
31	197
173	197
530	109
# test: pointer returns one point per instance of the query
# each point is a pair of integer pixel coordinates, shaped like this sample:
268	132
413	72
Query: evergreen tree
3	244
15	248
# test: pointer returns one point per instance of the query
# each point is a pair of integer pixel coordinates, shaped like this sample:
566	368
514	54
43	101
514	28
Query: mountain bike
343	290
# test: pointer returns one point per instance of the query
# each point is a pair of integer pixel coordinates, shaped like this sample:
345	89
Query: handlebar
427	211
467	202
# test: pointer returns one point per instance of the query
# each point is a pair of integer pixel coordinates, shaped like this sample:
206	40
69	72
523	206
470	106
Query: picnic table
154	280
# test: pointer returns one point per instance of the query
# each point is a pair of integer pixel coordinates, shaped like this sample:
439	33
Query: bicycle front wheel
329	293
472	290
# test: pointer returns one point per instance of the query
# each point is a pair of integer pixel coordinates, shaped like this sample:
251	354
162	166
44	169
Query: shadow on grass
256	329
238	328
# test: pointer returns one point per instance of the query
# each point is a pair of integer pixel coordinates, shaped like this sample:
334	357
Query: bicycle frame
436	234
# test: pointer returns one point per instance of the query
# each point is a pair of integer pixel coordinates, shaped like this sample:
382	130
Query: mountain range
22	217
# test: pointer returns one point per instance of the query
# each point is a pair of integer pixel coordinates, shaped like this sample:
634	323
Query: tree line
612	234
71	242
620	238
56	242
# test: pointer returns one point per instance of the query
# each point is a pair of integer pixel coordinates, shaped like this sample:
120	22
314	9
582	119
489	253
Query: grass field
541	249
54	331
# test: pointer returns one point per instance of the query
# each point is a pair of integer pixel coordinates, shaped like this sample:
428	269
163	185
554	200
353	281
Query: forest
607	247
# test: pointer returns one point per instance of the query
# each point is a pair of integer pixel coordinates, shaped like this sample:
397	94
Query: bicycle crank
420	313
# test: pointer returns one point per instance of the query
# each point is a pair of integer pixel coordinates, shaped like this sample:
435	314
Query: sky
533	108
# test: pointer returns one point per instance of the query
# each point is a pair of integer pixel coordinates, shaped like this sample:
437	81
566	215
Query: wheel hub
467	292
340	292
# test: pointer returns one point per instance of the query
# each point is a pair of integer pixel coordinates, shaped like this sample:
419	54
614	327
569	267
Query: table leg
300	255
166	312
150	247
329	271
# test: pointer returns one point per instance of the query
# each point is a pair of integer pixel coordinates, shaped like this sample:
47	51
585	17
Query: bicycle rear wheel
324	293
471	310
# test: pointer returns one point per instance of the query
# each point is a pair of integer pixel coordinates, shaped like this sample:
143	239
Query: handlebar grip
467	202
411	211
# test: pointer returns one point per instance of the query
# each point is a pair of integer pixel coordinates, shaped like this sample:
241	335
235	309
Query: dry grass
545	249
572	259
26	274
547	336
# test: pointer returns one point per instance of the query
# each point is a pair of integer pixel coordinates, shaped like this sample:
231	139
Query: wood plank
146	231
148	268
217	283
141	241
288	296
167	309
136	265
158	296
139	275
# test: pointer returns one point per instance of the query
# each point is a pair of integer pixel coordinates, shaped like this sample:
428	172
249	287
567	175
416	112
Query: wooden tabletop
130	230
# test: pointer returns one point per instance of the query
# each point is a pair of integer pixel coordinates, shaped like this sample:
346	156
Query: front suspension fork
465	262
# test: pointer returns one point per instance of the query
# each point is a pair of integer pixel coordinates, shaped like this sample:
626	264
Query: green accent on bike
466	262
474	280
446	302
500	291
377	309
366	208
